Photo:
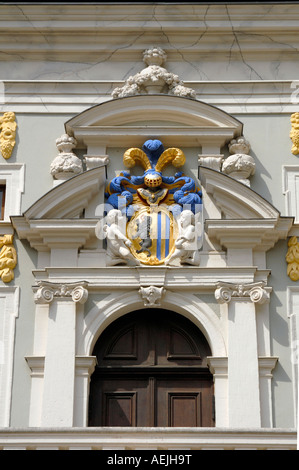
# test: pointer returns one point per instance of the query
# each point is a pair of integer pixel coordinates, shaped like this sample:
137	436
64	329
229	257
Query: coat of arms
161	214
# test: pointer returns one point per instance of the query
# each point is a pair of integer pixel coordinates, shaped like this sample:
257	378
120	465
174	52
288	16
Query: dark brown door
152	371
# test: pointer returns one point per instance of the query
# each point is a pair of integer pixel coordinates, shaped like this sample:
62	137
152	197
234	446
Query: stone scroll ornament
162	213
8	127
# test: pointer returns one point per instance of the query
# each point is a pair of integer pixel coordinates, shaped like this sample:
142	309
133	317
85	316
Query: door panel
185	402
184	409
152	337
152	371
118	402
120	408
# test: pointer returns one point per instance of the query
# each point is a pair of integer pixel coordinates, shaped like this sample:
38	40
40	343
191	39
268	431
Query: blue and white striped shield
152	231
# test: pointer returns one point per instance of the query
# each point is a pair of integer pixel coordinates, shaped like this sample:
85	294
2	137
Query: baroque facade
149	226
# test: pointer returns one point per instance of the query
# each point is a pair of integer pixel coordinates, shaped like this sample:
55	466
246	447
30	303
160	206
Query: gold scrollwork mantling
292	258
8	258
8	127
294	134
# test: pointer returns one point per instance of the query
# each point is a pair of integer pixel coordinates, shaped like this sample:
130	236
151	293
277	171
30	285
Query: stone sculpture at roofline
154	79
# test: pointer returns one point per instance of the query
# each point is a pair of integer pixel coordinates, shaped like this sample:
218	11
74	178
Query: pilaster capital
48	291
257	292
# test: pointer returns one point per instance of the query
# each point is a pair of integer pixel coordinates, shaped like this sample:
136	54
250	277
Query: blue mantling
183	188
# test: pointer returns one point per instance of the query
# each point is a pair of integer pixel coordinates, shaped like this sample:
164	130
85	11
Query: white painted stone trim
13	176
290	184
183	121
111	308
84	367
293	313
9	310
75	96
148	439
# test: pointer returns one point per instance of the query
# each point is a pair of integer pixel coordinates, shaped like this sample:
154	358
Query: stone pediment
175	120
55	220
234	199
69	199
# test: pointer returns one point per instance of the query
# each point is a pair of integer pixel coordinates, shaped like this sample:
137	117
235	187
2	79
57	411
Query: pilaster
244	401
57	407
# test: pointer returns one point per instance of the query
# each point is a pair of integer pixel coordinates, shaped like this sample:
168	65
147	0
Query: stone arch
110	309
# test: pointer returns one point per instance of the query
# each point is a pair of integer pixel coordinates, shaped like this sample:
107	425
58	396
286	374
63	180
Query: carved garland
8	258
294	134
292	258
8	128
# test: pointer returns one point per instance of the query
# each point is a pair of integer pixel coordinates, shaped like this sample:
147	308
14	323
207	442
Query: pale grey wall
35	146
271	148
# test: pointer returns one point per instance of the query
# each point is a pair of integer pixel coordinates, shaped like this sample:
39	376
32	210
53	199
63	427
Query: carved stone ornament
66	164
239	145
152	295
256	292
8	258
240	165
294	134
292	258
47	291
154	79
118	245
211	161
186	245
8	128
94	161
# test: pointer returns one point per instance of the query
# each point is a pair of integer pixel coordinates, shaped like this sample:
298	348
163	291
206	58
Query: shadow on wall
282	389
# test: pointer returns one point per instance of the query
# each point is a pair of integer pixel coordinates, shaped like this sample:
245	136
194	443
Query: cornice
140	438
122	31
130	11
75	96
193	279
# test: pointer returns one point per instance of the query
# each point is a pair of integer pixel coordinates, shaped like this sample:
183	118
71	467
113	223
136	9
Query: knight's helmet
153	158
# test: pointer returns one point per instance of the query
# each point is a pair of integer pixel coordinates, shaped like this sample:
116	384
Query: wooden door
152	371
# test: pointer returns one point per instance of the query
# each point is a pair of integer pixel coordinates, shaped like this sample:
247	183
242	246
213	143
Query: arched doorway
151	371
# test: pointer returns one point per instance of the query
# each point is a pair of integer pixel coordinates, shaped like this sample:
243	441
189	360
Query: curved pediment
68	199
175	120
235	199
56	218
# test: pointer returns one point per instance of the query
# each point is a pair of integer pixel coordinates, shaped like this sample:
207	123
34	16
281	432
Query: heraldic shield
152	203
153	231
